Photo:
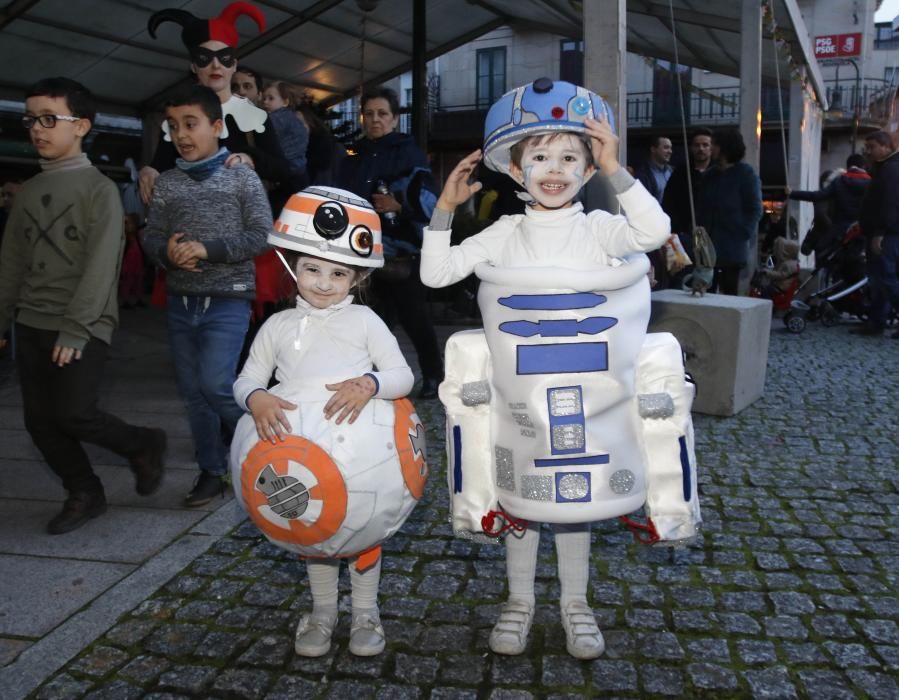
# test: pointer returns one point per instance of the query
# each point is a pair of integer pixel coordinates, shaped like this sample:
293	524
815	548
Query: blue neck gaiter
202	169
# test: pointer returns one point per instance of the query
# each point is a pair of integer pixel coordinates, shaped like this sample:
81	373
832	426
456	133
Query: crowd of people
232	154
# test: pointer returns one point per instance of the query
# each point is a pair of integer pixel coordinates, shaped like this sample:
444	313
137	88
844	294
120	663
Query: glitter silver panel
656	405
522	419
573	486
622	481
565	402
568	437
537	488
505	473
475	393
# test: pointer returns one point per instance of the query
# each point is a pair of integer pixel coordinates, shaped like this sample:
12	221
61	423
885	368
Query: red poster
838	45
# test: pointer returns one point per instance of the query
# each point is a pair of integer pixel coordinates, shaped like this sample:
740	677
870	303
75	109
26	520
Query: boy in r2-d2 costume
562	410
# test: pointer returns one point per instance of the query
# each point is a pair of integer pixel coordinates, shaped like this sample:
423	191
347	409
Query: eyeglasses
202	56
48	121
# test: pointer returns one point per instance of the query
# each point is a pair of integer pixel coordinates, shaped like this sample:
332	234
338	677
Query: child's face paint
323	283
553	171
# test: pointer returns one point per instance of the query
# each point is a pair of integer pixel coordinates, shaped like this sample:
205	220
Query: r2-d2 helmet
332	224
542	107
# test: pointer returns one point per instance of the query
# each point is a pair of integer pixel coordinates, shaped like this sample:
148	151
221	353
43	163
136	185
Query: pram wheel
794	322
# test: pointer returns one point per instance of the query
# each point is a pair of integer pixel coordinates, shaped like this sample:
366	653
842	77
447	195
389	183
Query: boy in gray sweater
59	271
206	223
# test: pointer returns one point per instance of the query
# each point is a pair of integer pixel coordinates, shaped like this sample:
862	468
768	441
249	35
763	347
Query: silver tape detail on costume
622	481
537	488
476	393
659	405
565	402
568	437
573	487
505	472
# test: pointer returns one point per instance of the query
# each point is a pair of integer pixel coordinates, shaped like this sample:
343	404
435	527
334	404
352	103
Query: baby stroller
842	285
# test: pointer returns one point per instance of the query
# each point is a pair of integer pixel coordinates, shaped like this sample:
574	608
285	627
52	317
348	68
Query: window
571	61
890	74
408	97
491	66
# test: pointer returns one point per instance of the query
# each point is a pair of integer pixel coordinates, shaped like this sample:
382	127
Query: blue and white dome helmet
541	107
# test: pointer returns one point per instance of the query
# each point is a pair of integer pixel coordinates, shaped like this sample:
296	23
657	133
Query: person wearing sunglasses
248	133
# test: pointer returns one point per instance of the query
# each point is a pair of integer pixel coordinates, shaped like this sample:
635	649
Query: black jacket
880	207
846	192
676	203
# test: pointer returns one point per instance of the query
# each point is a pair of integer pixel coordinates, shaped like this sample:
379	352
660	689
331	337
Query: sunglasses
48	121
202	57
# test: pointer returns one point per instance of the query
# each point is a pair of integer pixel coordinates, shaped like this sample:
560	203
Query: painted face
377	119
272	100
323	283
194	135
244	85
63	139
215	76
553	170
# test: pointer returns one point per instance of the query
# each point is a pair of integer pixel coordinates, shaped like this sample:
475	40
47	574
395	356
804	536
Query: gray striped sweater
228	213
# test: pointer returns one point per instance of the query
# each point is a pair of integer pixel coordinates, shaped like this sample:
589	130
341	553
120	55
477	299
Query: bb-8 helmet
542	107
332	224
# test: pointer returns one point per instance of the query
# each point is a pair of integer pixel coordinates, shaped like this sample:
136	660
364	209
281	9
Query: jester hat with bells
195	31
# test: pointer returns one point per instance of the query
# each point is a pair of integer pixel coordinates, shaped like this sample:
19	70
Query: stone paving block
63	687
115	690
771	683
614	675
242	683
877	686
193	680
291	688
145	668
712	677
828	685
10	649
99	661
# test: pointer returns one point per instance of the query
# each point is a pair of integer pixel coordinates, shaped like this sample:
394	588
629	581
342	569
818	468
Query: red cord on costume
512	523
643	533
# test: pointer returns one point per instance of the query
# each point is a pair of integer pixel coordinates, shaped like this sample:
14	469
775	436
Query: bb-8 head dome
332	224
331	490
541	107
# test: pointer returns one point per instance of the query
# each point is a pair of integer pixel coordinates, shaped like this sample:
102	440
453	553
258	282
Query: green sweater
62	249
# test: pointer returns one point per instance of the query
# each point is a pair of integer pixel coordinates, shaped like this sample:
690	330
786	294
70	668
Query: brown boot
79	507
149	464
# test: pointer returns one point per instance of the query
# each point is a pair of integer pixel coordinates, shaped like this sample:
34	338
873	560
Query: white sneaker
314	634
583	640
366	634
510	633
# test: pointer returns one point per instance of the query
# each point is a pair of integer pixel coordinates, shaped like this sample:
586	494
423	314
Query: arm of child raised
458	189
604	145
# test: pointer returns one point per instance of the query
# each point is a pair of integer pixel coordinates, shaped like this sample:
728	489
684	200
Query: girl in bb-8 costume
558	428
327	488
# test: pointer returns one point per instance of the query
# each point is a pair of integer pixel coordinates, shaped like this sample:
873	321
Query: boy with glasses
59	270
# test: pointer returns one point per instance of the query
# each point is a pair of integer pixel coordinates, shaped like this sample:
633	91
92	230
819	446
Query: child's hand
349	398
268	414
604	144
185	254
457	189
62	356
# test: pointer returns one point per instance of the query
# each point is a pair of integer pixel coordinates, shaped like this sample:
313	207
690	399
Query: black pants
727	280
405	301
61	408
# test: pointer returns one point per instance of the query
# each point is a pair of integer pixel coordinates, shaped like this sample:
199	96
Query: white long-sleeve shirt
559	238
337	343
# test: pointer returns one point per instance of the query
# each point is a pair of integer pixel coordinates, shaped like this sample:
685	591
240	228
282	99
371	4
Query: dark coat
880	207
730	210
400	163
645	175
846	192
676	203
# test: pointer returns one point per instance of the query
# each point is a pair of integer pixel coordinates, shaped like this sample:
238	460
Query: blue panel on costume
562	358
567	432
572	487
457	459
558	328
685	468
553	302
593	460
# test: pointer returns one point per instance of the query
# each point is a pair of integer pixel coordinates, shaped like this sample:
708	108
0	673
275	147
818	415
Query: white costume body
308	348
565	302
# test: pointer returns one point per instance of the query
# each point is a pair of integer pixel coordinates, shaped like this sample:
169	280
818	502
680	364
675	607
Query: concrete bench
725	339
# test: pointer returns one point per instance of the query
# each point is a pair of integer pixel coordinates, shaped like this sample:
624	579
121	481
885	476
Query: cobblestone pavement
791	592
